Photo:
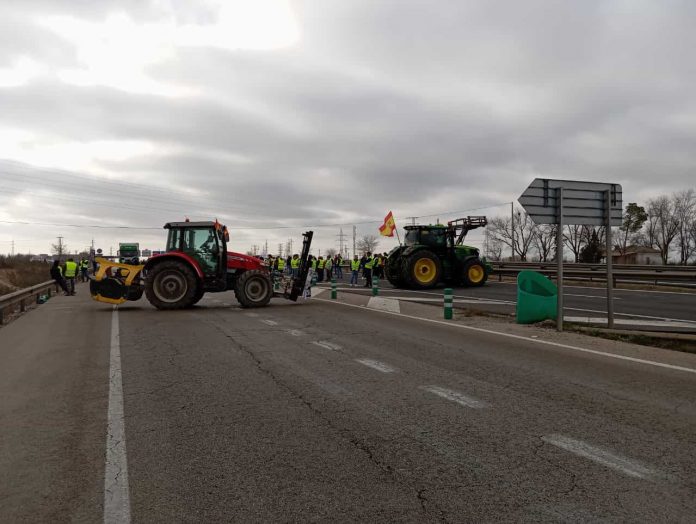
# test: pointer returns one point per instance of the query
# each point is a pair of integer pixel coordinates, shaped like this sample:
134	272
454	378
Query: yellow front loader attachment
115	283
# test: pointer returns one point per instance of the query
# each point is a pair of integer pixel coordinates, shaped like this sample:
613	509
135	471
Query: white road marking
294	332
455	396
252	315
116	496
666	319
376	364
601	456
386	304
269	322
316	291
520	337
589	296
327	345
620	290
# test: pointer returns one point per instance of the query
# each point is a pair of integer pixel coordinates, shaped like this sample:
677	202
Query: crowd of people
65	274
331	267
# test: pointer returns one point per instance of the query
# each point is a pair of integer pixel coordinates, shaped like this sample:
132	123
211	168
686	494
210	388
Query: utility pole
512	228
280	249
341	241
355	234
290	246
60	247
12	247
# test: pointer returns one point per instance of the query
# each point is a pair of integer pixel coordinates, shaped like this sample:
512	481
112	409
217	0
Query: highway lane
322	411
500	297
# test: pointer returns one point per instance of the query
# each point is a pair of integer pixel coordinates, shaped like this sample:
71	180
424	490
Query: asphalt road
333	413
501	297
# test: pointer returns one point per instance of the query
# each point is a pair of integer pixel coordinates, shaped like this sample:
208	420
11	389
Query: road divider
449	303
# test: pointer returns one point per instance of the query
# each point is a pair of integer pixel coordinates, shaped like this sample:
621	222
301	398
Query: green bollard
375	287
334	291
449	303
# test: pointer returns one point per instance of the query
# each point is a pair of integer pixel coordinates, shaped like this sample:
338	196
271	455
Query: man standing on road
70	274
367	269
294	265
57	275
84	270
321	263
338	270
354	271
329	268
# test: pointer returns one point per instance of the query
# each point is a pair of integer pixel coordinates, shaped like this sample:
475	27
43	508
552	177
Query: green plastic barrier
537	298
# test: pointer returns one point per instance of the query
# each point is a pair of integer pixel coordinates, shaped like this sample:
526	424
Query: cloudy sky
285	114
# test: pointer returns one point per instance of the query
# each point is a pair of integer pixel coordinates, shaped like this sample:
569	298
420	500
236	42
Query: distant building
639	255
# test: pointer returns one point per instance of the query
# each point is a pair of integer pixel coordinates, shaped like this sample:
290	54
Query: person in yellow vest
367	270
338	270
70	273
295	265
84	270
280	264
329	268
321	264
354	271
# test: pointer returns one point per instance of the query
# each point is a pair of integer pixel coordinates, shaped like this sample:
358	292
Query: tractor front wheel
424	270
474	273
253	289
171	285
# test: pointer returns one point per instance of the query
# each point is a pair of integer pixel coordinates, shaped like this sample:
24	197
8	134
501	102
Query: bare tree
573	237
494	249
368	243
521	236
663	224
59	249
685	214
331	252
545	241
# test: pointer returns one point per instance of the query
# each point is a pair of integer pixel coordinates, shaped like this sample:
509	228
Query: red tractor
197	262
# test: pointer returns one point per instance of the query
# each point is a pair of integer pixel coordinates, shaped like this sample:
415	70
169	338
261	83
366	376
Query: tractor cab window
411	238
203	245
174	240
438	237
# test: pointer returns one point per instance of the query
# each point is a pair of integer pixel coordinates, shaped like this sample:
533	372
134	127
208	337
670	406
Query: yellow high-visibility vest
70	269
295	263
322	264
355	265
370	262
281	264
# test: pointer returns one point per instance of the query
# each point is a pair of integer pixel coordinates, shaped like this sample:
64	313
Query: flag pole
396	228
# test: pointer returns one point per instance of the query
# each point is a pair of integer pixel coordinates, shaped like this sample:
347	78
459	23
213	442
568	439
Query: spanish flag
387	229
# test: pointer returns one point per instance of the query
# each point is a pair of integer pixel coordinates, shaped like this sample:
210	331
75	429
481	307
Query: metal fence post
375	287
334	290
449	303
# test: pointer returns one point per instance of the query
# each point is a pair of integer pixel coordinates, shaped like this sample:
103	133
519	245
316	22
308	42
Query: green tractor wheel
423	270
474	273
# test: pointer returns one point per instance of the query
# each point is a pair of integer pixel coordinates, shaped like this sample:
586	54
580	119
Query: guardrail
9	302
624	273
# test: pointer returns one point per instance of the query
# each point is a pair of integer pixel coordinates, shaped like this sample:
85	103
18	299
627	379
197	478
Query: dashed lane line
456	396
116	493
327	345
604	457
269	322
376	364
519	337
294	332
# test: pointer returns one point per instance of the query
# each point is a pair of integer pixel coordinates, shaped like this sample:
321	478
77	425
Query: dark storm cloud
413	106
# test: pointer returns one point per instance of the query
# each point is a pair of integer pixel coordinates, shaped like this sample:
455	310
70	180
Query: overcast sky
273	113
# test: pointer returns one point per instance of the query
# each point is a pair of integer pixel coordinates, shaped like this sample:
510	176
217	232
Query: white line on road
601	456
647	317
455	396
520	337
294	332
252	315
387	304
327	345
376	364
116	497
270	322
589	296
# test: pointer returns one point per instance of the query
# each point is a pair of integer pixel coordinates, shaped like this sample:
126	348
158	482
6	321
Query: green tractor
436	253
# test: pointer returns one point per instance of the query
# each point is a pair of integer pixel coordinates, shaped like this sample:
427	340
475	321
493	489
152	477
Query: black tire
198	296
394	276
253	289
423	270
474	273
171	285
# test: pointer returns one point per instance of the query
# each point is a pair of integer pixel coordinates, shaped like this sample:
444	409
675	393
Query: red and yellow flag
387	229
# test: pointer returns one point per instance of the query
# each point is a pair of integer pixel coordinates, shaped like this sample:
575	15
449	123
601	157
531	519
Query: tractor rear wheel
198	296
423	270
171	285
253	289
474	273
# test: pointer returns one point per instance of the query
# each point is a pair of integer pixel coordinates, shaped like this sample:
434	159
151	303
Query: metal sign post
610	272
559	260
573	202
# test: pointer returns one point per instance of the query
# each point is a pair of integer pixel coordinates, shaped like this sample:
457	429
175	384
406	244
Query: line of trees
666	223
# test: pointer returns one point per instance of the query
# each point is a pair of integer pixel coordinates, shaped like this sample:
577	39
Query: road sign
584	203
574	202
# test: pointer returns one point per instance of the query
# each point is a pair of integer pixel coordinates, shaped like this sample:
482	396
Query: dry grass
19	272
